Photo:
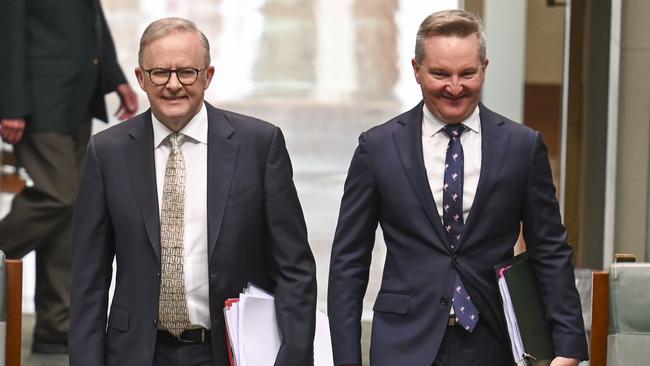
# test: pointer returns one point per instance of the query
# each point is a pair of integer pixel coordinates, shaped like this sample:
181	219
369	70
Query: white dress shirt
195	153
434	148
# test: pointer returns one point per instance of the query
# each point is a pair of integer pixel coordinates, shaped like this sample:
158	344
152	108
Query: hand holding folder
253	335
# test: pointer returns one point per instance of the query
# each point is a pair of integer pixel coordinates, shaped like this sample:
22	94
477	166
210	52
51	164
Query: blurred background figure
58	62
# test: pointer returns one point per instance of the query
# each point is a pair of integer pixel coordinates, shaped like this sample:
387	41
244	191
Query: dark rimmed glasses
186	75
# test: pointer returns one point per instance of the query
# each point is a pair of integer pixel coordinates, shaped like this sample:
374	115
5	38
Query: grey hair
454	22
166	26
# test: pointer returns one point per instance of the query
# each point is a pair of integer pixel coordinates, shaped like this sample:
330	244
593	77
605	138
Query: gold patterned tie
173	299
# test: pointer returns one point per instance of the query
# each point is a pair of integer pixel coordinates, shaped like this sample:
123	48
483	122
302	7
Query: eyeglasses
185	75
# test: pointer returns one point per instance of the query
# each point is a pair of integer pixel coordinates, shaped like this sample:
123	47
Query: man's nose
455	87
173	82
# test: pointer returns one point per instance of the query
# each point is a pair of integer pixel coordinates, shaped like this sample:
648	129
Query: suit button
95	61
444	300
155	323
457	260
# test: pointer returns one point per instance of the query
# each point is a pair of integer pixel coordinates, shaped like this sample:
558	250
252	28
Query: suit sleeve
14	94
293	265
92	267
112	74
546	242
351	257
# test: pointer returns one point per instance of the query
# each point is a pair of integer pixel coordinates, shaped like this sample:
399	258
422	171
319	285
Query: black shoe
49	348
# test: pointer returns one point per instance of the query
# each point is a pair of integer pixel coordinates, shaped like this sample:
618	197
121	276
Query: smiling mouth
171	98
454	98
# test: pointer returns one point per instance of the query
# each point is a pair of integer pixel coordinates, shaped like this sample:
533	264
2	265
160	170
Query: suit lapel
140	162
408	142
494	143
222	155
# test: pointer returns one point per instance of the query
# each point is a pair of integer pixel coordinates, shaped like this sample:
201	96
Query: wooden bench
599	318
14	311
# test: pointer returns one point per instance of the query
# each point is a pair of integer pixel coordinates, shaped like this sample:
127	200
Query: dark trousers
40	219
479	348
182	354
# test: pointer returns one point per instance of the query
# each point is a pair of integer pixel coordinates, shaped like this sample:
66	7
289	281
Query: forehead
452	50
174	49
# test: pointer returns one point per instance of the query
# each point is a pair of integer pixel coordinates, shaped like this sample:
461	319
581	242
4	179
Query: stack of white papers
253	333
511	320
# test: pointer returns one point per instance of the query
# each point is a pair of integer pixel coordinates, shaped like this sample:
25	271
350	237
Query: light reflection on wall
155	9
235	49
336	76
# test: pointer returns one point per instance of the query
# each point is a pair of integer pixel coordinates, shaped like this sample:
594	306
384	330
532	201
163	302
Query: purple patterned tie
452	218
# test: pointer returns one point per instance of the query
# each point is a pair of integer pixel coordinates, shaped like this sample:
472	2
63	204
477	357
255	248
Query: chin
175	112
456	116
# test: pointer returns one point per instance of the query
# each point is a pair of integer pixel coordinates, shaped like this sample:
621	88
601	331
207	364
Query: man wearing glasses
194	203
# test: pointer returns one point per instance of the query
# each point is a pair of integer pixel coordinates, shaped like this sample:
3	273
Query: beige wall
544	43
633	130
544	40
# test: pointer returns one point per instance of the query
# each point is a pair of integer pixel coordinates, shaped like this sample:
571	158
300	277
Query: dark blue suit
256	233
387	184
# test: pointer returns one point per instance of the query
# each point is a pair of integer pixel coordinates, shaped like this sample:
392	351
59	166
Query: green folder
528	308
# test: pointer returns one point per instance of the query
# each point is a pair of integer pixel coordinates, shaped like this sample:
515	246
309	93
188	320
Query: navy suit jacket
387	184
256	233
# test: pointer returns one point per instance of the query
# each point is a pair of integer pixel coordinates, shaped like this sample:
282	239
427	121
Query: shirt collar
432	125
196	129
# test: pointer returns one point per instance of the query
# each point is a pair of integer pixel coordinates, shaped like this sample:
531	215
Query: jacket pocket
392	303
119	319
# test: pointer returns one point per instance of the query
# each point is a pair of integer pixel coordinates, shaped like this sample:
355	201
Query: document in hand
529	331
254	337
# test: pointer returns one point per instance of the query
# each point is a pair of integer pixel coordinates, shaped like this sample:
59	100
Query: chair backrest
628	342
11	288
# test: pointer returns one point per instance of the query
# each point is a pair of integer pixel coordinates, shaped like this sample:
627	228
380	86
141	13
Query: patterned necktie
173	300
452	217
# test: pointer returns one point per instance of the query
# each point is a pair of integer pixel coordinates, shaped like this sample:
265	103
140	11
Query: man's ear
209	73
139	74
416	70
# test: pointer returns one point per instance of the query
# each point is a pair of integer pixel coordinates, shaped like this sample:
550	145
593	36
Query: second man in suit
194	202
451	182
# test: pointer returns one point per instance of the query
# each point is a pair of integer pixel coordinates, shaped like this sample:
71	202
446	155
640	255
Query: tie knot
176	140
454	130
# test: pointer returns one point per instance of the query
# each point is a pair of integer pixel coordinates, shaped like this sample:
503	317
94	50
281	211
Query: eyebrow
444	70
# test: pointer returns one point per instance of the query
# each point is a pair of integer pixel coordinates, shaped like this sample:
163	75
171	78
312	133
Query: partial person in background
193	202
451	183
57	61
